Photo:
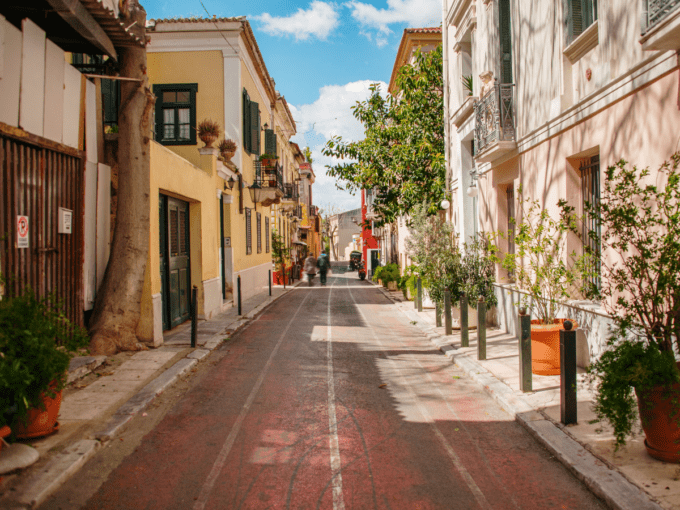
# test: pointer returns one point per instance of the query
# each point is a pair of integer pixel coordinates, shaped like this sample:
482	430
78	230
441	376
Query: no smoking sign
22	231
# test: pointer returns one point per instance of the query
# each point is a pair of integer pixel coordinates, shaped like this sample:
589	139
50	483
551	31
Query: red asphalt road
410	430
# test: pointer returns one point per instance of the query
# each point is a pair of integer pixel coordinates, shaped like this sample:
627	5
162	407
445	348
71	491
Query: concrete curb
606	483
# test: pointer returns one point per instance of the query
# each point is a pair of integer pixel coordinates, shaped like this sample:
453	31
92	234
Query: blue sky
323	56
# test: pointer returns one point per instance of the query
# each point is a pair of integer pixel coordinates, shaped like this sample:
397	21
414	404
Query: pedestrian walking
324	265
310	268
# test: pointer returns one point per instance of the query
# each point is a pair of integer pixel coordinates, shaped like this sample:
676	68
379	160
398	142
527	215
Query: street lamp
229	183
445	204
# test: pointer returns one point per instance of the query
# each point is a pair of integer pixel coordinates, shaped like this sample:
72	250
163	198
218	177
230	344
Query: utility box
65	221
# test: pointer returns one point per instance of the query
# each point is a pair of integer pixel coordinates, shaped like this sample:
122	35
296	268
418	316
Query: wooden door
175	261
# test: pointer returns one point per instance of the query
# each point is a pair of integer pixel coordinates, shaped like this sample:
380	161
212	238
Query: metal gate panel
37	177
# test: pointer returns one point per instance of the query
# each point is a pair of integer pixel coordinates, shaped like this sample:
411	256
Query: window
266	234
176	113
580	15
251	125
249	232
510	199
259	233
505	29
269	141
590	192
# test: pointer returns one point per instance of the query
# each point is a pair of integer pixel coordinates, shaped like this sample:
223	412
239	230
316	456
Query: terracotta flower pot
545	347
40	422
227	155
660	415
4	432
208	140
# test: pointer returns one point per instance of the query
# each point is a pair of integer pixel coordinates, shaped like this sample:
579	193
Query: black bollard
194	315
447	313
270	282
464	333
568	373
420	295
525	378
238	292
481	328
438	315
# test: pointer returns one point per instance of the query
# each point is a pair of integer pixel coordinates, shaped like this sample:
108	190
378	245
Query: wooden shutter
259	233
255	128
249	232
246	121
266	234
506	40
269	141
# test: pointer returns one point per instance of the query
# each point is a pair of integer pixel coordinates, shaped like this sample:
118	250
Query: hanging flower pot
545	347
660	415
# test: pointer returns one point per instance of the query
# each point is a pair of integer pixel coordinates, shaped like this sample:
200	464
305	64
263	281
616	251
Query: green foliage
387	273
467	84
640	221
432	245
478	270
540	264
402	154
36	344
280	253
308	154
268	156
408	280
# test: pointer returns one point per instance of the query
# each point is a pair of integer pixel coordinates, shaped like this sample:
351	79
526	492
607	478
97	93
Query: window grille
590	191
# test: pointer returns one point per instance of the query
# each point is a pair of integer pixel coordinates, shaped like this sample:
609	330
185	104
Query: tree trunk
117	307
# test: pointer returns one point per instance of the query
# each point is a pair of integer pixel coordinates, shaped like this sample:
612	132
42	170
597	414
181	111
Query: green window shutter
506	41
574	19
246	121
255	127
159	112
270	141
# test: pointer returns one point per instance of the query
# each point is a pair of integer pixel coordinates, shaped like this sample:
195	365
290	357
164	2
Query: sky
323	57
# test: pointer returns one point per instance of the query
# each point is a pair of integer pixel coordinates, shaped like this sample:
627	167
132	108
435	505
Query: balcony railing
290	192
313	210
297	212
495	117
269	177
657	10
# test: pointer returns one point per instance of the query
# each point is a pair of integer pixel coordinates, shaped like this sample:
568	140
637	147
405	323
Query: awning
300	243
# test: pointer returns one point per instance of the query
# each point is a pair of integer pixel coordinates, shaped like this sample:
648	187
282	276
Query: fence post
464	333
568	373
481	328
525	378
194	315
447	312
420	295
238	290
270	282
438	315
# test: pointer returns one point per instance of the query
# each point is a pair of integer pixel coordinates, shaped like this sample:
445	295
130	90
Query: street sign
22	231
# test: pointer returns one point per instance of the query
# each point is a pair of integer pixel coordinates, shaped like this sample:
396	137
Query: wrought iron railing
297	212
290	191
495	116
657	10
269	177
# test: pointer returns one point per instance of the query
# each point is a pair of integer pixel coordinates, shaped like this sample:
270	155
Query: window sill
583	43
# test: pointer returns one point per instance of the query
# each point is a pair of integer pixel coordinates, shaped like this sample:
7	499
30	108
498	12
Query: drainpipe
447	136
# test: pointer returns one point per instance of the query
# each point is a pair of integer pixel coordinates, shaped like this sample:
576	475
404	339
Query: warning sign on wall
22	231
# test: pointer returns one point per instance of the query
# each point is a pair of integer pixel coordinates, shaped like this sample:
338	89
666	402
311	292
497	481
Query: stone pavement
94	410
627	479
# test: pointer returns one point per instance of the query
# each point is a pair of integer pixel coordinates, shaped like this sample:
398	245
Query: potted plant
208	131
268	160
640	220
36	344
227	148
280	256
543	269
476	276
389	276
407	282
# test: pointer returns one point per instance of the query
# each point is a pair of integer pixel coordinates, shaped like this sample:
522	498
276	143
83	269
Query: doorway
175	260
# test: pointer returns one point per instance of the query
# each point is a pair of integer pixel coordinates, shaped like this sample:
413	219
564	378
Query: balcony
267	188
495	123
313	210
297	212
661	25
290	196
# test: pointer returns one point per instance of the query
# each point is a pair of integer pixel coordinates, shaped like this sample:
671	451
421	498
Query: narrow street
331	399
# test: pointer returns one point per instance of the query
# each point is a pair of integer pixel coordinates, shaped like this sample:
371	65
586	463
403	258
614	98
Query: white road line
336	465
229	442
455	460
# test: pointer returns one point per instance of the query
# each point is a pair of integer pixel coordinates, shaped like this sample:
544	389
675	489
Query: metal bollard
194	315
420	295
238	291
464	333
481	328
438	315
525	378
447	313
270	282
568	373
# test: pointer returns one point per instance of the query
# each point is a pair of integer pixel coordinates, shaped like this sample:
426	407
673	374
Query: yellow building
212	220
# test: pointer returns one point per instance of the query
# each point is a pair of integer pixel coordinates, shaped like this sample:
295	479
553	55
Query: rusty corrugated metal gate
37	178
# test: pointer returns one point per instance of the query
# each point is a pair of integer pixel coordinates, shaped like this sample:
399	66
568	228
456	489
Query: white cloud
417	13
319	20
331	115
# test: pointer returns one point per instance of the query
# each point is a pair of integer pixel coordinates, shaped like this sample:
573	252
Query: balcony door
505	32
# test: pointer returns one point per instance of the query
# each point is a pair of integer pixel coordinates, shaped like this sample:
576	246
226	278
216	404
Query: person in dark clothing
324	265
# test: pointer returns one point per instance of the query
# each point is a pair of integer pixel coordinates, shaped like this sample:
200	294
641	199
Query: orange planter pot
545	347
660	417
4	432
40	423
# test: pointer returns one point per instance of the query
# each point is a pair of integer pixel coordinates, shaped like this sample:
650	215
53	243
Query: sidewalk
627	479
105	393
